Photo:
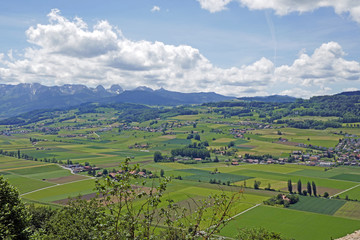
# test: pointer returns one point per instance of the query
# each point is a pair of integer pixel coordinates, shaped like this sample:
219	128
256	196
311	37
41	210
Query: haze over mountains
24	97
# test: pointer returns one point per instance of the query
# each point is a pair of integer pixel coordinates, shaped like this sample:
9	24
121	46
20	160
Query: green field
350	210
63	191
318	205
205	176
353	194
348	177
106	141
293	224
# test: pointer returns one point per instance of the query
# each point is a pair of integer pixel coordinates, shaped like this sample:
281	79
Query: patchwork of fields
312	217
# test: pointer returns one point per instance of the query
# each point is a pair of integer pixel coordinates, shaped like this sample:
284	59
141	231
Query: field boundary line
240	213
244	211
40	189
58	184
32	166
345	191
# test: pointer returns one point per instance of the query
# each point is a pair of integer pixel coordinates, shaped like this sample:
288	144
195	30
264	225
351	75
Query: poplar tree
309	188
299	186
290	185
314	188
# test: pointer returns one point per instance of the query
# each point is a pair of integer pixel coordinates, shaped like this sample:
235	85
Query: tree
157	156
162	173
326	194
309	188
14	218
299	188
290	186
80	220
258	234
257	184
40	215
314	188
197	137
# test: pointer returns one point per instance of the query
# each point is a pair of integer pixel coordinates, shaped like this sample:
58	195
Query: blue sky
233	47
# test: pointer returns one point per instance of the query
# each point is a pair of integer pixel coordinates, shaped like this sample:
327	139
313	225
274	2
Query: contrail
273	34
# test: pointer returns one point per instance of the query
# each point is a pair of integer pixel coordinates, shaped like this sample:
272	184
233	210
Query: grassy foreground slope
293	224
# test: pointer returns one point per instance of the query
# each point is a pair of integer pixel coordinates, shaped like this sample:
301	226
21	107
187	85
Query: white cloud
305	93
214	5
352	89
155	9
70	52
326	65
284	7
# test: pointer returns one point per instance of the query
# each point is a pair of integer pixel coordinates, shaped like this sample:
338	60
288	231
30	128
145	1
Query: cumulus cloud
305	93
352	89
326	65
155	9
284	7
214	5
69	51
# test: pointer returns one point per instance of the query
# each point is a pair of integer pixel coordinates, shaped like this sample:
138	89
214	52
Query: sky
232	47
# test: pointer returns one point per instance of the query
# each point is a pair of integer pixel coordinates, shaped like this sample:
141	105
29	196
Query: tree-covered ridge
345	107
340	109
127	112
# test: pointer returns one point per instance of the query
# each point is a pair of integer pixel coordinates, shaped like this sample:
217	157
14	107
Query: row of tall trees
310	188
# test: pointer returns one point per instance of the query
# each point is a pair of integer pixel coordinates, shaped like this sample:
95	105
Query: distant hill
25	97
272	98
353	93
164	97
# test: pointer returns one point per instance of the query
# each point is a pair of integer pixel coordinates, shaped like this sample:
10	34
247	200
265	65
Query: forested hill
344	105
353	93
272	98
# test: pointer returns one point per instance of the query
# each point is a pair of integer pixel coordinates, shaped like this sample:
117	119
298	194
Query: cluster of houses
161	128
348	151
10	132
238	133
71	135
139	146
264	161
144	174
77	168
252	125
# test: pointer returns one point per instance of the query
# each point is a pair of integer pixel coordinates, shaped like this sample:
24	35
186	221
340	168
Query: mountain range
24	97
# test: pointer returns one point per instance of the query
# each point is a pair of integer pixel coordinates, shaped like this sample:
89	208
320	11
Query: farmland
48	168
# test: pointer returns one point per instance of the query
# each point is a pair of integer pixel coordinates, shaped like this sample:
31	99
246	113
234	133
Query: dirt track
352	236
